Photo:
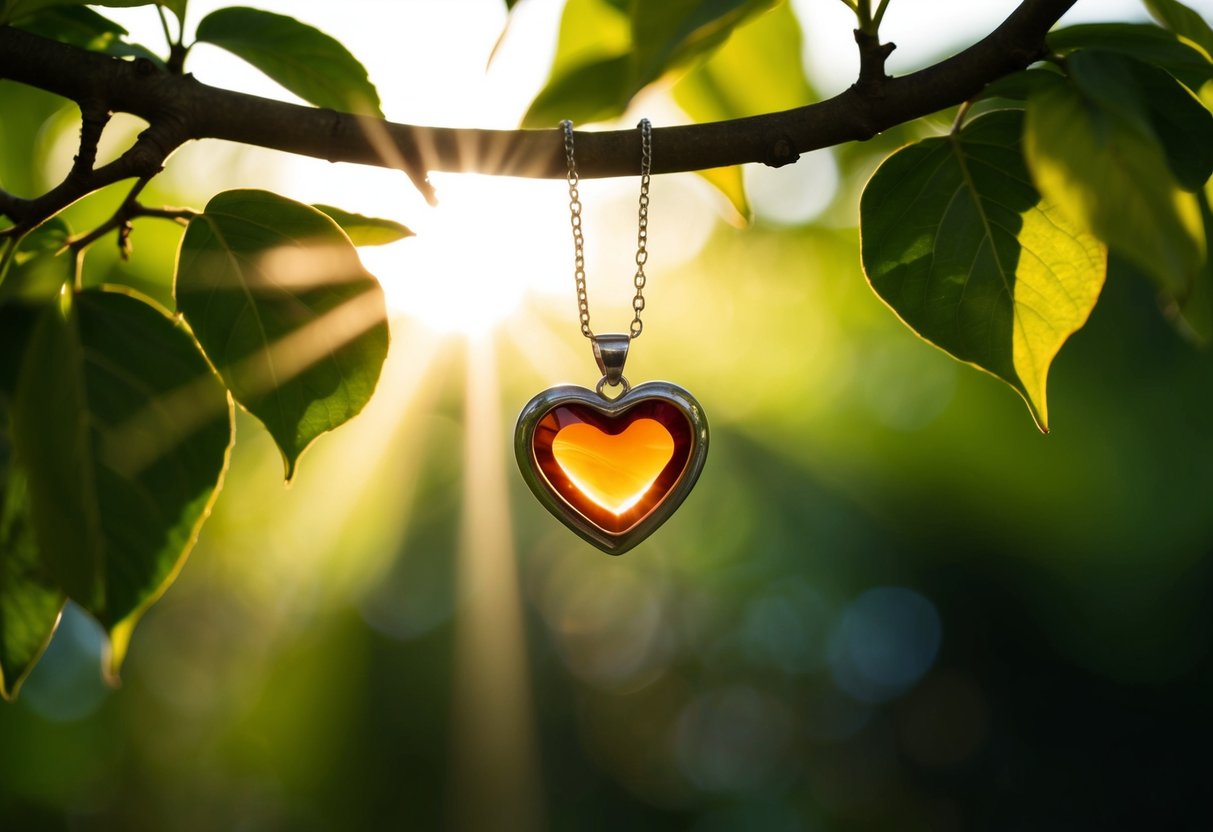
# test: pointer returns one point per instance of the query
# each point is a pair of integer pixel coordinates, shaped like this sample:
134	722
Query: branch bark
180	108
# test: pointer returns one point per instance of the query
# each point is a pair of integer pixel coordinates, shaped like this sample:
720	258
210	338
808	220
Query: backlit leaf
14	10
1182	21
83	27
591	30
366	231
1019	85
1182	124
957	241
1094	154
672	33
314	66
1145	42
758	70
597	91
124	431
39	269
77	25
610	50
278	299
731	183
30	602
177	7
1195	319
591	70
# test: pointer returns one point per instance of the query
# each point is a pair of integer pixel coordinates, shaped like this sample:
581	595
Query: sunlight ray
382	447
168	420
495	783
549	355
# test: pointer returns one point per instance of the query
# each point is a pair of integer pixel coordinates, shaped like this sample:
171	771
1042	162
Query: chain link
642	231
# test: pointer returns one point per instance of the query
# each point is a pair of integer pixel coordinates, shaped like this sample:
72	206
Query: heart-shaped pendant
612	470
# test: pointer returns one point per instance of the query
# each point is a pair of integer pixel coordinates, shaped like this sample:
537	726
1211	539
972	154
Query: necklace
611	469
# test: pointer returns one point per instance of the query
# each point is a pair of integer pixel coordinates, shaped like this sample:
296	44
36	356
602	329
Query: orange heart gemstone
614	470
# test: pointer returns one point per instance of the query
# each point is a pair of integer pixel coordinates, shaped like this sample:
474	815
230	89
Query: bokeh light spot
884	642
735	739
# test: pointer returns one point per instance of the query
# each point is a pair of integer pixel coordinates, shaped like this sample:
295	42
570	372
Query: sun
490	245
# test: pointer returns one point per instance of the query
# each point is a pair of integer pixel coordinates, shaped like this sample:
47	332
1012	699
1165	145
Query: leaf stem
120	220
94	116
168	36
863	11
961	112
176	46
879	16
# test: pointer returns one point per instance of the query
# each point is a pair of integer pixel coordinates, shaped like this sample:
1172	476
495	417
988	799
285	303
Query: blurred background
890	603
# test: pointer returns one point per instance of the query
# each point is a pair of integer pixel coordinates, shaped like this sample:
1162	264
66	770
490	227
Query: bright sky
494	241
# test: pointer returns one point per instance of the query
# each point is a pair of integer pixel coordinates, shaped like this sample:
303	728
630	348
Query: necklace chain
642	231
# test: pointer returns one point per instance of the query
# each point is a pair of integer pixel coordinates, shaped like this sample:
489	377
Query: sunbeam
495	783
490	244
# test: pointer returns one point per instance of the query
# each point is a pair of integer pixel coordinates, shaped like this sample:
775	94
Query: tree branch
180	108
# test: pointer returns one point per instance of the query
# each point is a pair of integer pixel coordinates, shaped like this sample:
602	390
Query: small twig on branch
176	46
878	18
94	116
181	216
130	209
872	57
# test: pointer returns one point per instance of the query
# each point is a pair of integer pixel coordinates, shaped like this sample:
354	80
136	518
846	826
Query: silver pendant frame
538	407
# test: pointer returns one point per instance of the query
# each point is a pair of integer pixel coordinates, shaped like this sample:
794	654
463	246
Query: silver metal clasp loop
611	353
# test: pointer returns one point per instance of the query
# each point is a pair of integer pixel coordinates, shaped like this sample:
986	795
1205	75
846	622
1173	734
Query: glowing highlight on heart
614	471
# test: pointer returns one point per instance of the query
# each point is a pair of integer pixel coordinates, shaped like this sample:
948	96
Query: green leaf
13	10
177	7
366	231
40	267
607	53
1182	21
672	33
591	30
284	310
1182	124
1093	153
757	71
596	91
1154	103
958	243
124	431
591	70
304	60
30	602
1019	85
1143	41
77	25
730	182
1195	318
81	26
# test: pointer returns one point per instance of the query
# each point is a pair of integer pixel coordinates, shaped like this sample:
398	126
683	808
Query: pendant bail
611	352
